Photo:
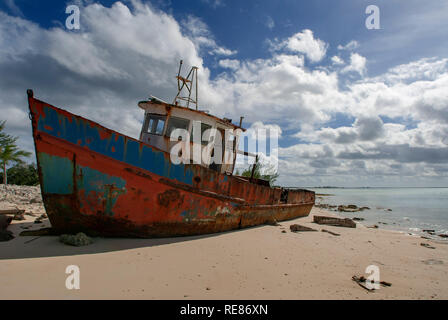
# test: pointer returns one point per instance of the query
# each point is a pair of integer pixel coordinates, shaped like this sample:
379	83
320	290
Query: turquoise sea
413	209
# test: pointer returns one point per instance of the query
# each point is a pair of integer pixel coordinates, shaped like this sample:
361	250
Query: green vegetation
22	175
9	152
262	171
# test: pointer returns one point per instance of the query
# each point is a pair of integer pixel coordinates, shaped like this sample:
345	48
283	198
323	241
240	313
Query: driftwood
362	283
337	222
12	211
331	232
40	232
298	227
427	245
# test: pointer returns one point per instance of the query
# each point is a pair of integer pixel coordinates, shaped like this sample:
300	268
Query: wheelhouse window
176	123
156	124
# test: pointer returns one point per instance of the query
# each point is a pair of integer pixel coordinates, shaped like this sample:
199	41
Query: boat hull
103	183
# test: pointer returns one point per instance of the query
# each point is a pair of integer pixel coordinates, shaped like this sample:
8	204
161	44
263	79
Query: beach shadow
24	247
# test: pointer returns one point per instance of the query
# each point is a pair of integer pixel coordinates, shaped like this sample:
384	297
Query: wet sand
256	263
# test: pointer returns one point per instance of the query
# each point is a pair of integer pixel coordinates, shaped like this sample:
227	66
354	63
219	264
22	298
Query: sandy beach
266	262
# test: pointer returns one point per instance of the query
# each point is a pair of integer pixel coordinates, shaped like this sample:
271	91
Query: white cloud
352	45
423	69
303	42
199	32
337	60
357	64
229	63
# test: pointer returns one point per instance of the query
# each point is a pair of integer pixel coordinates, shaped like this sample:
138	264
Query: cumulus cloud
357	64
199	32
337	60
229	63
303	42
352	45
363	129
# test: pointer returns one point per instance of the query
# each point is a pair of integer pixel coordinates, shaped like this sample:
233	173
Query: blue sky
343	96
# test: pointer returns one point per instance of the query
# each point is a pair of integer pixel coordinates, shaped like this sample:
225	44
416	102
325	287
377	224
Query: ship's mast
188	82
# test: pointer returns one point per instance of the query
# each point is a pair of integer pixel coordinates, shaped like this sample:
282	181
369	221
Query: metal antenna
187	82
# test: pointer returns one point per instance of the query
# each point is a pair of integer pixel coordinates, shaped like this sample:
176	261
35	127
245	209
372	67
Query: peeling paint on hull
104	183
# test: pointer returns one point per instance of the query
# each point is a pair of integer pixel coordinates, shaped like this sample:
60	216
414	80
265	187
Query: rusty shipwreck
104	183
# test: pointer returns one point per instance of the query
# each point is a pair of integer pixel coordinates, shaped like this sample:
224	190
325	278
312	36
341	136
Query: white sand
256	263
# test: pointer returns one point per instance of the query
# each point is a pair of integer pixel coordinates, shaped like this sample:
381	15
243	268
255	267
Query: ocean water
413	209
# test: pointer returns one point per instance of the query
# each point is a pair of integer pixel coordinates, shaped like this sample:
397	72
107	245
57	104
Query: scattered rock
427	245
382	223
443	235
351	208
373	227
77	240
389	209
358	219
38	220
36	200
332	221
298	227
325	206
283	231
19	217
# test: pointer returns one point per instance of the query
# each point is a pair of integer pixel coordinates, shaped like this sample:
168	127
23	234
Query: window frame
176	118
159	117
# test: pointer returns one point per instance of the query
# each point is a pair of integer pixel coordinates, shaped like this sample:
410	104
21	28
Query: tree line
10	154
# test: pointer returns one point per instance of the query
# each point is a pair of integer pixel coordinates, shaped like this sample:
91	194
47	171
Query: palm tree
262	171
9	152
4	138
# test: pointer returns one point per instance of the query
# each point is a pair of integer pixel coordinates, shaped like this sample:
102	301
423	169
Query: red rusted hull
103	183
